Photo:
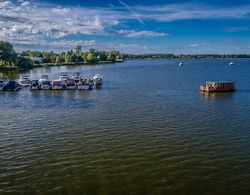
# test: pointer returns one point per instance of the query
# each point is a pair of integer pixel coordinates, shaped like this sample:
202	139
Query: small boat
76	77
231	63
218	86
34	85
85	84
57	84
64	76
12	86
70	84
97	79
44	78
24	81
181	64
3	83
45	85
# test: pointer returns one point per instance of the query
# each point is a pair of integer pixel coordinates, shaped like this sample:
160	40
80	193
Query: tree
23	62
90	57
78	50
111	56
59	59
7	53
67	57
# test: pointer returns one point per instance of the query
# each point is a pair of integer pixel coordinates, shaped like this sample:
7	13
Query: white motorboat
57	84
25	81
231	63
64	76
181	64
85	84
45	85
97	79
76	77
3	83
70	84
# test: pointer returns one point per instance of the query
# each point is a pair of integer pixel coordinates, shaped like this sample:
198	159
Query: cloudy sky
152	26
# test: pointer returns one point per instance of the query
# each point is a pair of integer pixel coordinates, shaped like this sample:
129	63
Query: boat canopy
219	82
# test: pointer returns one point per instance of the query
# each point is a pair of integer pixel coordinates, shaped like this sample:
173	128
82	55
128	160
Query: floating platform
218	86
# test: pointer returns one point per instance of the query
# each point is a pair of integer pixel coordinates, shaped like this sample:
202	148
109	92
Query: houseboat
76	77
34	85
12	86
57	84
70	84
25	81
45	85
218	86
3	83
97	79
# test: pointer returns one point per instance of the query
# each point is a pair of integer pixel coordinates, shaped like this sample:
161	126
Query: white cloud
144	33
28	19
25	22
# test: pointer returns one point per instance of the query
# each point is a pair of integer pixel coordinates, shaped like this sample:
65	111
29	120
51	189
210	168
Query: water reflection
10	74
217	96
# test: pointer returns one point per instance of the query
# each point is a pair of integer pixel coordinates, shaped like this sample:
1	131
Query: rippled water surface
148	130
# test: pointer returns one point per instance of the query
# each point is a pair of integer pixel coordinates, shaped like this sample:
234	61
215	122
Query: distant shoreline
15	68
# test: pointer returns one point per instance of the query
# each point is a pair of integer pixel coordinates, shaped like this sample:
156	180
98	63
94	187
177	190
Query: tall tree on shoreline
7	53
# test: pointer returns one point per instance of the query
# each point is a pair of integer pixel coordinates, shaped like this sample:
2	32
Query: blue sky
152	26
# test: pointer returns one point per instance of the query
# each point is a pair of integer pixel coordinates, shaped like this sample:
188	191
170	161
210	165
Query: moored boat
25	81
12	86
76	77
3	83
181	64
70	84
231	63
64	76
97	79
34	85
218	86
85	84
57	85
45	85
44	78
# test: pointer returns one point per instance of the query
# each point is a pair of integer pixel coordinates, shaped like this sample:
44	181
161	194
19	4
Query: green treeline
185	56
90	57
9	59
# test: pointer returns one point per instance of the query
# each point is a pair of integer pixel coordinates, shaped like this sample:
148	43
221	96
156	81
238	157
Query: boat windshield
57	83
45	83
76	74
64	74
45	77
71	82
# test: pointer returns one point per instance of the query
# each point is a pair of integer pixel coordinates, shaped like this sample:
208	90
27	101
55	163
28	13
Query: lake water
148	130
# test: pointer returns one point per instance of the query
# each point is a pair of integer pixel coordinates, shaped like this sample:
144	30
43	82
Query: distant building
36	59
